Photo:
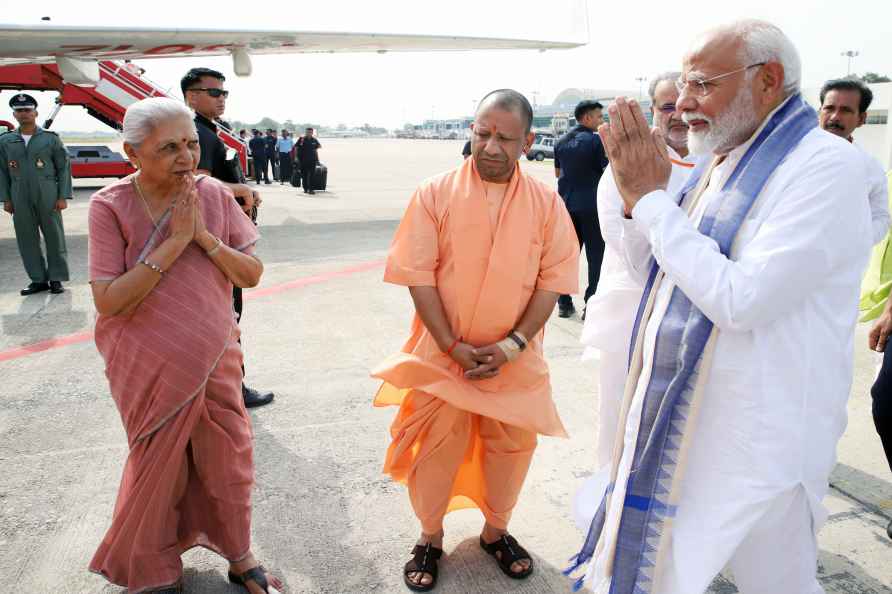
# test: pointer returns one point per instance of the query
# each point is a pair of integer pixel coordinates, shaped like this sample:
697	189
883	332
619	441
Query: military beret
23	101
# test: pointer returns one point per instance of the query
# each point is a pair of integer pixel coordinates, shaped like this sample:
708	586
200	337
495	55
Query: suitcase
295	177
320	177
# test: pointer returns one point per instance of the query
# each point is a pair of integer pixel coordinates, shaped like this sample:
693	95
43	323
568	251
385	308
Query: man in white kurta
783	306
610	312
844	105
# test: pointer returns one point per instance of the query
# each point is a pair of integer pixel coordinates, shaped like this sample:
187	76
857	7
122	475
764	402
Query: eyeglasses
701	87
214	92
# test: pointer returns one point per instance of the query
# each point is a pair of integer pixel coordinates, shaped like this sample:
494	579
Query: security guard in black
579	161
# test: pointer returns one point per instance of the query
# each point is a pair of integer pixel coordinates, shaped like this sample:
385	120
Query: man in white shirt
611	310
743	353
844	105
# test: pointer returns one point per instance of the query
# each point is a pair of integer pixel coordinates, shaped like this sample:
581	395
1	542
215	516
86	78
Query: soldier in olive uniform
35	182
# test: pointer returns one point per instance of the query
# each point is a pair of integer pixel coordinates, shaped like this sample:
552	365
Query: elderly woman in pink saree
165	249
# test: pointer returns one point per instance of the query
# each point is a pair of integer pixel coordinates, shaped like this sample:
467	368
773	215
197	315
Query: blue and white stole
628	548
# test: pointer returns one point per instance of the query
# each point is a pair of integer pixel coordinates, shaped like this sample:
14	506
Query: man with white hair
608	326
743	345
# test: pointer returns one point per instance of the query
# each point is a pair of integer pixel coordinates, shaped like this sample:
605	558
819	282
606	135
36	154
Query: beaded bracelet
153	267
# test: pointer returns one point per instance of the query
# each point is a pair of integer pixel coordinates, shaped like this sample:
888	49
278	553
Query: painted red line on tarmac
87	335
313	280
45	345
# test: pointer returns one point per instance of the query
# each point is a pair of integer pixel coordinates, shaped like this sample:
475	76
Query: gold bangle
153	267
216	247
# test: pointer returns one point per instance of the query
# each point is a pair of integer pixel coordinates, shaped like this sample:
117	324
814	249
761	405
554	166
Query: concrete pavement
325	519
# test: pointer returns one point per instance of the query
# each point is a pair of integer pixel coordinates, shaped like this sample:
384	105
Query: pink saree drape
173	366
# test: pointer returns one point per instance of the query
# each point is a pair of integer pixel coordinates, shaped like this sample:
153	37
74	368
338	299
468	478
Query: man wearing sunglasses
204	93
742	360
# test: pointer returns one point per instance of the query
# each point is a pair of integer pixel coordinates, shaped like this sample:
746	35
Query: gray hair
764	42
142	117
671	76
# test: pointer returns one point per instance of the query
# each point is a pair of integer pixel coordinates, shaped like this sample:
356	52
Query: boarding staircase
120	85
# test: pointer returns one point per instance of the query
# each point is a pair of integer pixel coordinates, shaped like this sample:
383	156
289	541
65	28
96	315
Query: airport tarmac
326	520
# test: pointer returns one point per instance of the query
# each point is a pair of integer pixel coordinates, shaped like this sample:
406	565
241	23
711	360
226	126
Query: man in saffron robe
744	340
485	251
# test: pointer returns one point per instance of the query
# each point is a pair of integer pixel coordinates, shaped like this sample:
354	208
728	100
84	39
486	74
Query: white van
543	146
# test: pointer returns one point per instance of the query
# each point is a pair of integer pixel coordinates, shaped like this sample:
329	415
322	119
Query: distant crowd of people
283	155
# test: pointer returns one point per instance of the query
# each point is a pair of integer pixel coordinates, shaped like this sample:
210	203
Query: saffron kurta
485	276
173	366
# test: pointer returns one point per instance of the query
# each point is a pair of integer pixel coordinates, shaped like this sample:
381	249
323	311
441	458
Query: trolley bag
295	177
320	177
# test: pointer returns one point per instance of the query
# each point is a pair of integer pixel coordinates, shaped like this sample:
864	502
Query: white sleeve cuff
650	208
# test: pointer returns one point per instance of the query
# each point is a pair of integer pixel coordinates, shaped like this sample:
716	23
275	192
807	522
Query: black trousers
284	167
588	232
306	175
260	169
237	306
882	403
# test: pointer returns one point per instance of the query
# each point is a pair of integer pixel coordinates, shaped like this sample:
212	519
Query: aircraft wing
30	44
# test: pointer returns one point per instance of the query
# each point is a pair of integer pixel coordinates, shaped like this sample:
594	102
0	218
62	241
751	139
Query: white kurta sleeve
619	233
816	224
879	200
610	211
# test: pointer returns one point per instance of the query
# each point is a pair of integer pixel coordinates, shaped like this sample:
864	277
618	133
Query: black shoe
267	182
565	311
34	288
889	530
253	398
56	287
311	192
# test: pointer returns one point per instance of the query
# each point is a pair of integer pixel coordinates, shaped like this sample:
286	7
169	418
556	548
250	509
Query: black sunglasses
214	92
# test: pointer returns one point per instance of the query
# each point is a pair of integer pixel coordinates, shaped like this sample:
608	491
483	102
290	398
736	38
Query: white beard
725	131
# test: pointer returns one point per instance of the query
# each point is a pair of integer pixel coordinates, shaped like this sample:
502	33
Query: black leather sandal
512	552
255	574
424	560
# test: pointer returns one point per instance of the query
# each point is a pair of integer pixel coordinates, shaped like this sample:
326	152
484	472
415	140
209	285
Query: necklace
144	201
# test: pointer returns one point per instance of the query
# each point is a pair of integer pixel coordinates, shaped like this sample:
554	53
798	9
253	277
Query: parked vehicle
97	161
542	148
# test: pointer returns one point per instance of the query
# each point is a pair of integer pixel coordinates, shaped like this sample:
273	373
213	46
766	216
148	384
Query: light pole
849	54
641	80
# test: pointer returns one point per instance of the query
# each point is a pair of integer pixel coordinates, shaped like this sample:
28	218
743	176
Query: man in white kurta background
844	105
772	400
611	310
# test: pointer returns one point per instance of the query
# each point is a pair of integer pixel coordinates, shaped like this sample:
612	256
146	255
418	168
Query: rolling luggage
295	176
320	177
